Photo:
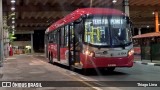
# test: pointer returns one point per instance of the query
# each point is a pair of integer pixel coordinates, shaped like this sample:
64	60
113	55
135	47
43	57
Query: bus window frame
62	32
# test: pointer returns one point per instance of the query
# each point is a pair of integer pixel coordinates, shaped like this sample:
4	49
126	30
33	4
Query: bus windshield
107	30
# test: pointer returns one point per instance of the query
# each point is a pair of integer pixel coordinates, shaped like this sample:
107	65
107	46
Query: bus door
74	45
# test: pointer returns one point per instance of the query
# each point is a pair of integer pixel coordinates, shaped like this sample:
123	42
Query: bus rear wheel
110	69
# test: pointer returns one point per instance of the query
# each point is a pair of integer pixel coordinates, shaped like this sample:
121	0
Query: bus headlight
87	52
90	53
131	52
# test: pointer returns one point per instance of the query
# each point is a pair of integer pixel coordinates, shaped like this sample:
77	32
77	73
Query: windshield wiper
121	42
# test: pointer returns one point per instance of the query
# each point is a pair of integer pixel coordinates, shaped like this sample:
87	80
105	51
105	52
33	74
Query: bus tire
110	69
84	71
72	68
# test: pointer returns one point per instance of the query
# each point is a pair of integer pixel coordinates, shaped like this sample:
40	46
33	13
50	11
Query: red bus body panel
80	12
52	48
62	53
101	62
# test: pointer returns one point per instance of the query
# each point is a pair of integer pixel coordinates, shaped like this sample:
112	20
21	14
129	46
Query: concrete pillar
32	51
1	35
156	21
91	2
6	36
126	6
139	31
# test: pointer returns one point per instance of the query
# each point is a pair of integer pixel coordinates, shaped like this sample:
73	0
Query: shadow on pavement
92	72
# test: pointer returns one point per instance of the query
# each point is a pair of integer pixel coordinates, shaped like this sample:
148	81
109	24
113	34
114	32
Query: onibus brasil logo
21	84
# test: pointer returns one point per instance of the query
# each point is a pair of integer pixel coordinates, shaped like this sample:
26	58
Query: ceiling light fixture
114	1
13	22
13	27
13	18
12	8
13	1
13	32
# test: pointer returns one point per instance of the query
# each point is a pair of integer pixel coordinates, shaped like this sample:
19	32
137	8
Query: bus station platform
137	59
30	68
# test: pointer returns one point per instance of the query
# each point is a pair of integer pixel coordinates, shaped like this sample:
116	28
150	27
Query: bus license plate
111	65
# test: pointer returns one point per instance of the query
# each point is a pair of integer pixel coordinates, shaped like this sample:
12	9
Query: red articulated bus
91	38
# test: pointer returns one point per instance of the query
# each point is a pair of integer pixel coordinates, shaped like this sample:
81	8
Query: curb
145	63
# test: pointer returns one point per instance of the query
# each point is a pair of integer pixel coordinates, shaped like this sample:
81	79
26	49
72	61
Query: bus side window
66	36
62	37
50	38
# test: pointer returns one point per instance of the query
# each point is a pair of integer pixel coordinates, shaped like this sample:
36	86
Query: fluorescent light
13	18
13	22
13	27
13	32
12	8
114	1
13	1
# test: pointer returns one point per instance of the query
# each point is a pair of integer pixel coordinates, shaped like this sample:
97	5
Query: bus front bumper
103	62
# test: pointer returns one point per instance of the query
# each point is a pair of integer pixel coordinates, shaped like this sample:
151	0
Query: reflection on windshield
120	36
120	32
98	32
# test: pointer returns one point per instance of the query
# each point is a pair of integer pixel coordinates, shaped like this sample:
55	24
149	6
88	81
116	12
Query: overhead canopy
153	34
39	14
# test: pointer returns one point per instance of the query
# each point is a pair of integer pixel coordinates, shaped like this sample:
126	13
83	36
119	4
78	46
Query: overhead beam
143	26
142	19
24	32
30	28
39	8
32	20
142	7
46	20
149	23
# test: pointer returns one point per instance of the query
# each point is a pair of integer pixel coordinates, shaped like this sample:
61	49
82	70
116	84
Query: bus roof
147	35
80	12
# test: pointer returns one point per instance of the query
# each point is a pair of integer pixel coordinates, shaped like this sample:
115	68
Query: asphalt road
123	78
37	68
